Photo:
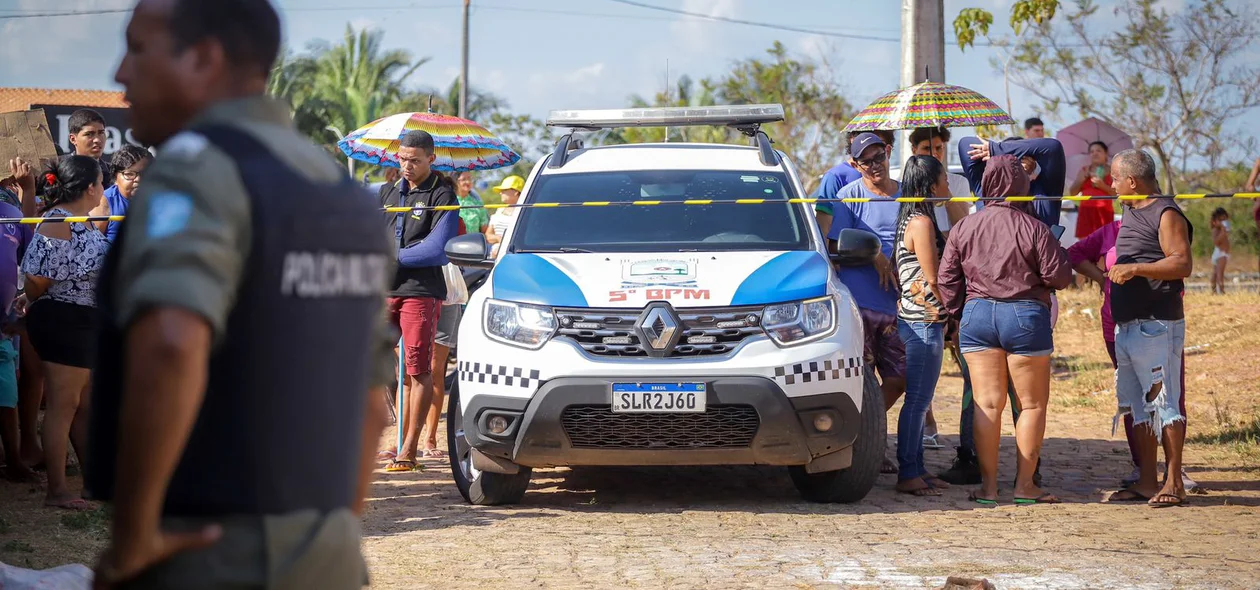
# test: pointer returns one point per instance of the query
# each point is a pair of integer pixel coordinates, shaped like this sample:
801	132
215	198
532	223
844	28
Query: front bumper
748	421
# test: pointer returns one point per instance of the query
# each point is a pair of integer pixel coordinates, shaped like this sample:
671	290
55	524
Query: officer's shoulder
191	156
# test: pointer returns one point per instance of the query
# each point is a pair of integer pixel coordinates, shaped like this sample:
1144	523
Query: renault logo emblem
658	328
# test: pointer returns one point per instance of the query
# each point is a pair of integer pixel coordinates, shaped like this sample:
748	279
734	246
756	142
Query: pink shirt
1100	245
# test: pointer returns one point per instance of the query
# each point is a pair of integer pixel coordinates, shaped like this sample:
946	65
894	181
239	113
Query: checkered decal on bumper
819	371
497	374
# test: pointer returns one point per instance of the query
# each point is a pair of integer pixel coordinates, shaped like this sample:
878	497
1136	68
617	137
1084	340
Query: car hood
692	279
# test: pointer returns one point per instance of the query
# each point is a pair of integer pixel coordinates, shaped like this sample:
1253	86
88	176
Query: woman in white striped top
921	316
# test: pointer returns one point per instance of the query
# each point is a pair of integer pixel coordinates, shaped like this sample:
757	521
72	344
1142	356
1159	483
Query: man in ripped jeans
1152	259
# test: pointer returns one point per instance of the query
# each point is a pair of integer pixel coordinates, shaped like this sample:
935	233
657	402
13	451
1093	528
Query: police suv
664	304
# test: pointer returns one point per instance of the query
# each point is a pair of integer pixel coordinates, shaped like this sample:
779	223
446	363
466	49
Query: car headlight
519	324
799	322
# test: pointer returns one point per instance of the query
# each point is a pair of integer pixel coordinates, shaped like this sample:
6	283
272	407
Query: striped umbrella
930	104
461	145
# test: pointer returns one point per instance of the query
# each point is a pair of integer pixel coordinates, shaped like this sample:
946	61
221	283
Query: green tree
973	22
1176	82
686	93
335	89
815	110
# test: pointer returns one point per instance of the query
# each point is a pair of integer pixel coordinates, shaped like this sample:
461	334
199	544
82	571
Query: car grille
719	427
611	332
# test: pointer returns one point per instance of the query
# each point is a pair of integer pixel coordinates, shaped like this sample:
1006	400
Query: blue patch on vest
529	278
169	213
790	276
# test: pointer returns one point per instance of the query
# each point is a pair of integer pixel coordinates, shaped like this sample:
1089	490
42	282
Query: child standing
1220	250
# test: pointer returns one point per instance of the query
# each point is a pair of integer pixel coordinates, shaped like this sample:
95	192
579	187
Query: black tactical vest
281	426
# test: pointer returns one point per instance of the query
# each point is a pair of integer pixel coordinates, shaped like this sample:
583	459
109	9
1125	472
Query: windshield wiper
564	250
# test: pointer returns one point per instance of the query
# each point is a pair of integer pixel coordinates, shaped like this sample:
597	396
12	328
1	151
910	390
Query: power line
497	7
103	11
755	23
789	28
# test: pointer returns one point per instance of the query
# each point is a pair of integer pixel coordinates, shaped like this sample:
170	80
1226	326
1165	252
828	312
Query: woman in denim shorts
998	272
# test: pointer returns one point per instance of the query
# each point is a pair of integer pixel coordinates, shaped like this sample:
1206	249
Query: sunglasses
879	158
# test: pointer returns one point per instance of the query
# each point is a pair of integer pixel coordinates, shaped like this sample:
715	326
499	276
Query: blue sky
545	54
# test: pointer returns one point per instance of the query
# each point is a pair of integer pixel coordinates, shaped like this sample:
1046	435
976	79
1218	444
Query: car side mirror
470	250
854	248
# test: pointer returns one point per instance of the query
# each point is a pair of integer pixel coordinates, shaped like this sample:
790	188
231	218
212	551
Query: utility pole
463	70
922	49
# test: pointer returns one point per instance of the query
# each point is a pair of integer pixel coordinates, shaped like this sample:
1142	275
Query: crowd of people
48	276
981	283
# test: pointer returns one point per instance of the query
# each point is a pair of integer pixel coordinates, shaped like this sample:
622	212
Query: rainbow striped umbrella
930	104
461	145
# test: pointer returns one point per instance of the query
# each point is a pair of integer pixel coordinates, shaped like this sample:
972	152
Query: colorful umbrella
461	145
930	104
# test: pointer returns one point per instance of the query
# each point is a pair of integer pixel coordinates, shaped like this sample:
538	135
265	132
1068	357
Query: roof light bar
734	116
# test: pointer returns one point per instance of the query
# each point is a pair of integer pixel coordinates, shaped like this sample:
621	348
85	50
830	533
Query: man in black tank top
1152	260
239	391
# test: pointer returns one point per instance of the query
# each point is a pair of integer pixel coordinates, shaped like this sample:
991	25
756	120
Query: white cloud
698	34
585	74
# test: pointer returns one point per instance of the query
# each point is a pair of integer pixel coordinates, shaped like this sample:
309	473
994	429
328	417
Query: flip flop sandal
434	454
1127	496
401	466
930	442
76	505
386	456
975	497
1179	501
1042	499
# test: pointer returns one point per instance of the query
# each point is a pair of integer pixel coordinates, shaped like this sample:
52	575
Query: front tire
853	483
481	488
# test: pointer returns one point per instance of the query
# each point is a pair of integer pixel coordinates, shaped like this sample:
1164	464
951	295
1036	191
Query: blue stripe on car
789	276
529	278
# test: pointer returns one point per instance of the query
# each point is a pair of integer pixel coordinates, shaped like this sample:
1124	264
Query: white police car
697	326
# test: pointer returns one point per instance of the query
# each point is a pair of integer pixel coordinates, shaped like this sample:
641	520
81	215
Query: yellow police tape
811	201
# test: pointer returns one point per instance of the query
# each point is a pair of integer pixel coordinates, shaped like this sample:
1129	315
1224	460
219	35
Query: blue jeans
1148	354
1019	327
925	349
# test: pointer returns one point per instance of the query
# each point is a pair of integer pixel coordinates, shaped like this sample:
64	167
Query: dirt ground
746	527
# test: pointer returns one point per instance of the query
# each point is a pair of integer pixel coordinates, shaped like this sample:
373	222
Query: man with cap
510	192
874	287
238	393
419	287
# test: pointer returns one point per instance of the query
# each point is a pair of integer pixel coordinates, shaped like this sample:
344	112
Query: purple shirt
1100	245
16	238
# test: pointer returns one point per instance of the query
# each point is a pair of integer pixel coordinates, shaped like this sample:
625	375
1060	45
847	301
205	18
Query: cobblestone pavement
746	527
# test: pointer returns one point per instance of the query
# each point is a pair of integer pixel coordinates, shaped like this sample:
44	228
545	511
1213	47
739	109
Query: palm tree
685	94
336	89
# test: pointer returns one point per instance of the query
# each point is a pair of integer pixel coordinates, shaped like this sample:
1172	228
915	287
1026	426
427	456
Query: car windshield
723	225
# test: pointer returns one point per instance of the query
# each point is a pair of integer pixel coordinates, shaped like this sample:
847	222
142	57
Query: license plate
658	398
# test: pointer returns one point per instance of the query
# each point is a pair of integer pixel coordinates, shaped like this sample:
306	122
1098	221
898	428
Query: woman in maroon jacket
998	270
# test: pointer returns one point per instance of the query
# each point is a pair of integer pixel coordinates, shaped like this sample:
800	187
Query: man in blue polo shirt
839	177
874	287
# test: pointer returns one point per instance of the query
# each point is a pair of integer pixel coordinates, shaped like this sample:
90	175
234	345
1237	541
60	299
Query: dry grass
1222	364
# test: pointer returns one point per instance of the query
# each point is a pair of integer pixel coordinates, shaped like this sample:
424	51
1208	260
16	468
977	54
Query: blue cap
863	141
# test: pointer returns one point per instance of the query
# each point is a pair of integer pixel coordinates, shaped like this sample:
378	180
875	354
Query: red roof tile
20	99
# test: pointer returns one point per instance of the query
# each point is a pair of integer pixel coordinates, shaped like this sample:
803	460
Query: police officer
238	396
